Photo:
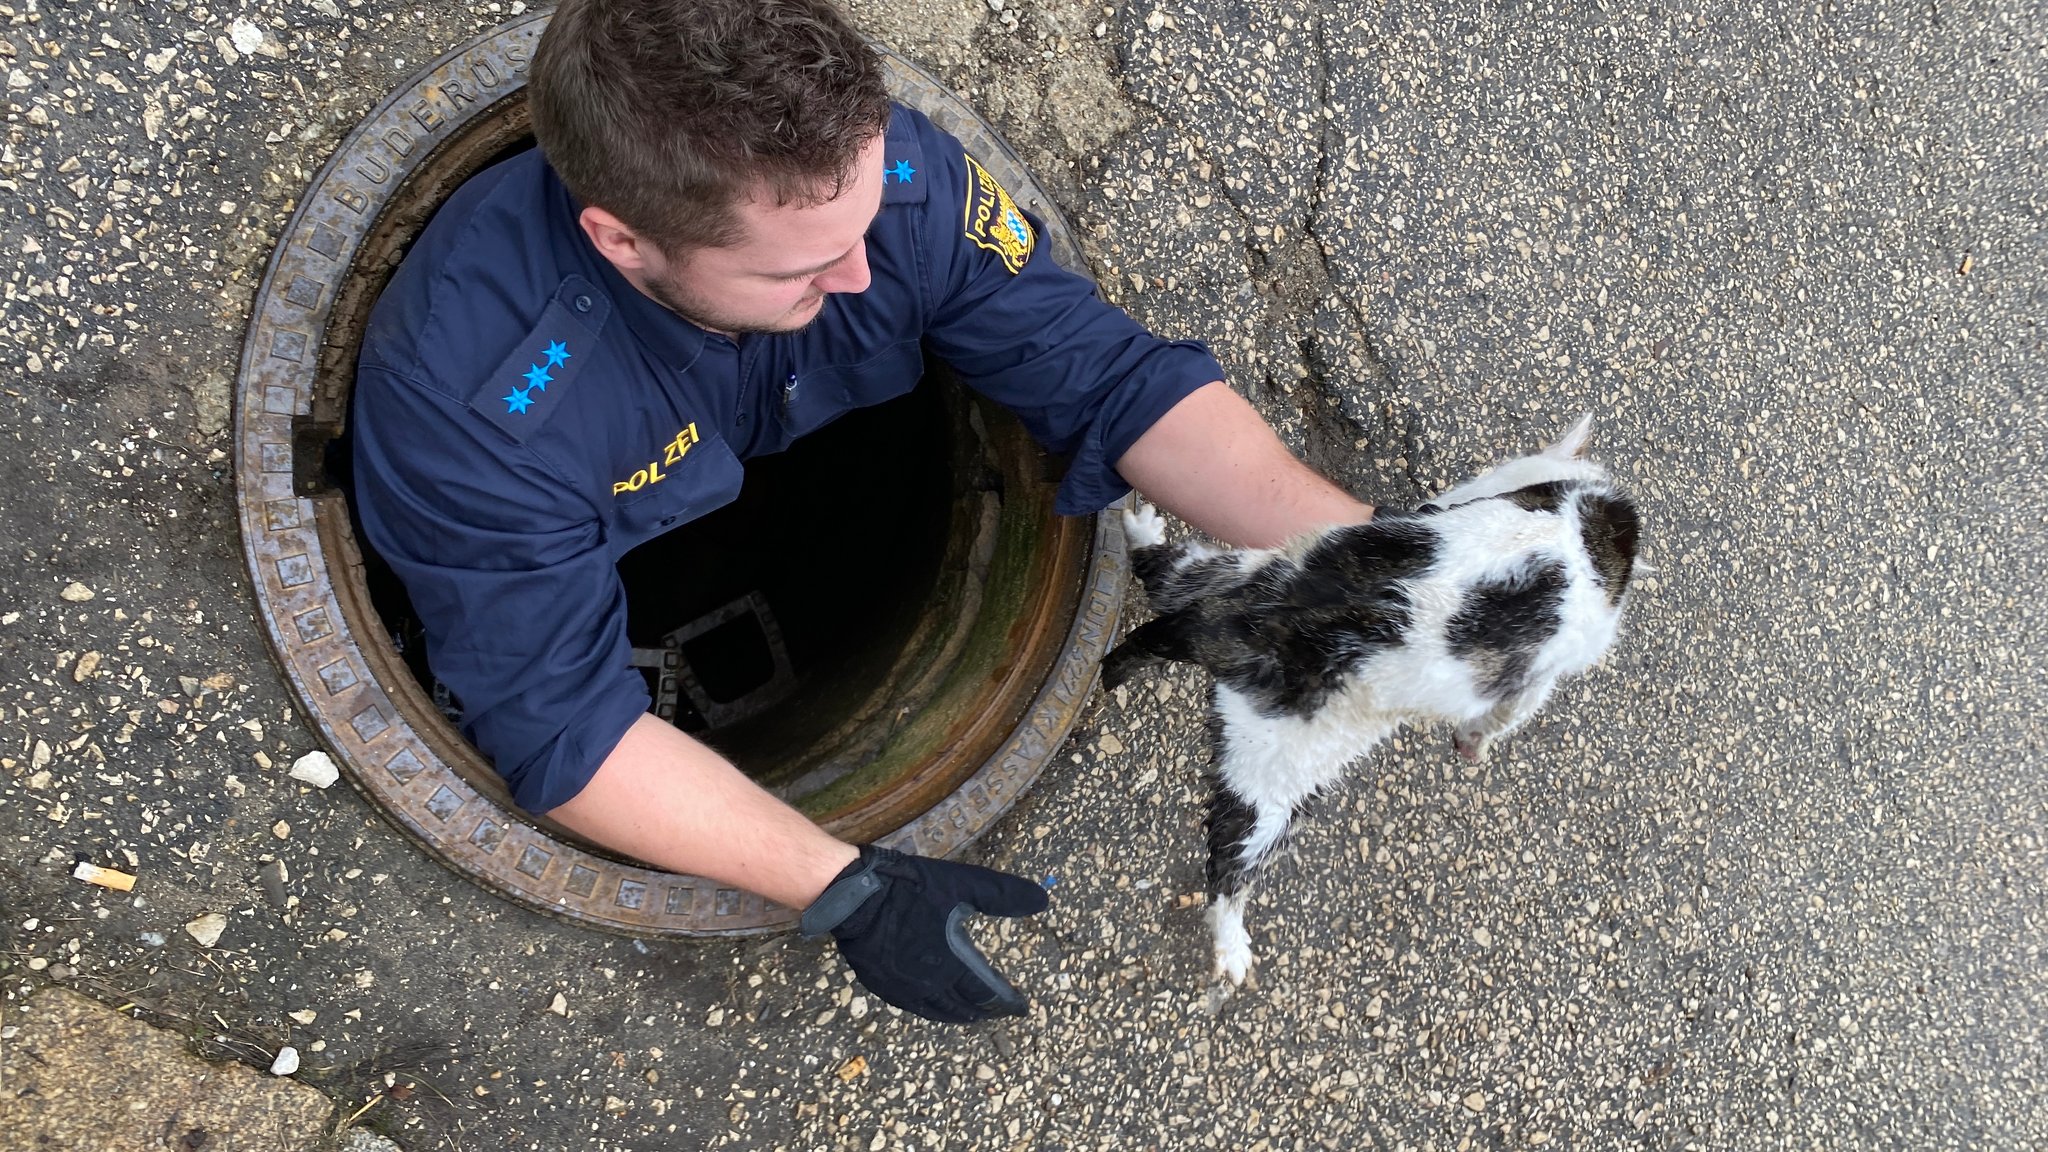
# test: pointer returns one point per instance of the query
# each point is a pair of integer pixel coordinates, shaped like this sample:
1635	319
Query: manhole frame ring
312	636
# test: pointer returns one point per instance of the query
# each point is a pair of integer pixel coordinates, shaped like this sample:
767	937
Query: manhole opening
889	627
809	629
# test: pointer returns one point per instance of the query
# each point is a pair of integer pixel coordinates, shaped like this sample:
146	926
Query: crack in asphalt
1298	290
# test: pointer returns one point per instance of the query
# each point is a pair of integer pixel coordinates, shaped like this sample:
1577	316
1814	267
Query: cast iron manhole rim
302	556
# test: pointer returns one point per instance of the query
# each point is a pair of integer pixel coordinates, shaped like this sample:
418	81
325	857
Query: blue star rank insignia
903	165
533	380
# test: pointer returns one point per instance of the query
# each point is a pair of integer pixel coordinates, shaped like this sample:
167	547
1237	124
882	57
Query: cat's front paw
1143	527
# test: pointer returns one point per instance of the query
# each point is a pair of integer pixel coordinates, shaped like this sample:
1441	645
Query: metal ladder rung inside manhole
728	664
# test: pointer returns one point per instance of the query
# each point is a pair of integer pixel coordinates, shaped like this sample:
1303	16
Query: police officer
727	237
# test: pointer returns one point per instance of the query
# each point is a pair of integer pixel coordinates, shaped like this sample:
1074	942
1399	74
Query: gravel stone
364	1140
316	768
207	929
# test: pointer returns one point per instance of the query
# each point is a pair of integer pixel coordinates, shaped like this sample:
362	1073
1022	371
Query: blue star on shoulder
556	353
902	172
519	401
537	377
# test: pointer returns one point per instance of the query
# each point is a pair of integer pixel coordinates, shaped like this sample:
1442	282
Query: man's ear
616	242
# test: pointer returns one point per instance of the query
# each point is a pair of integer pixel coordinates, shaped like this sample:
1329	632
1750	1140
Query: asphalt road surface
1771	878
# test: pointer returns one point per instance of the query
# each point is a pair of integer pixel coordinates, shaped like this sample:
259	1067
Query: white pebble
316	768
287	1061
246	35
207	929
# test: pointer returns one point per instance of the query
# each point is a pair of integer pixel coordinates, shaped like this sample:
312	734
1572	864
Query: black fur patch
1171	585
1230	823
1611	531
1153	565
1287	634
1149	643
1548	496
1500	626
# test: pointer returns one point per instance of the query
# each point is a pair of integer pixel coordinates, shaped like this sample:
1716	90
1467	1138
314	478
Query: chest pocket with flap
690	475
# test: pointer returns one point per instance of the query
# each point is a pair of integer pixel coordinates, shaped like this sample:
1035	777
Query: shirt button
583	303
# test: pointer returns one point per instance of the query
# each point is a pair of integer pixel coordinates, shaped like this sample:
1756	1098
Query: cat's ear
1573	444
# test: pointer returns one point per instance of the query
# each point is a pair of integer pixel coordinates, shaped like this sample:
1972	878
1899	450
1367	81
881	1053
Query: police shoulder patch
992	220
523	391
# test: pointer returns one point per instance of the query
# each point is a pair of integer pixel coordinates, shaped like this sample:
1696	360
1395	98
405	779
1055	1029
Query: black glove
898	920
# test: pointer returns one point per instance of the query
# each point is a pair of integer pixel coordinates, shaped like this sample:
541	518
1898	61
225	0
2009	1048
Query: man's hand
899	923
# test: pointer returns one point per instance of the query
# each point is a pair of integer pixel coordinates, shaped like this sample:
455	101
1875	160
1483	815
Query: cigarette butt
105	877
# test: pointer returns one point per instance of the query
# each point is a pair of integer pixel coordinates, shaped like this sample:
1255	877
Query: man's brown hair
669	113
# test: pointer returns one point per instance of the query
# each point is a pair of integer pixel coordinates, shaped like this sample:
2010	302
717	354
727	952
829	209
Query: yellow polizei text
671	454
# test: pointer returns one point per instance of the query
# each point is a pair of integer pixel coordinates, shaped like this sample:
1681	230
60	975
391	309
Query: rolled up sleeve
1084	377
508	572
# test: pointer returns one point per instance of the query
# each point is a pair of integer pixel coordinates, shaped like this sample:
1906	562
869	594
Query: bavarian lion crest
993	222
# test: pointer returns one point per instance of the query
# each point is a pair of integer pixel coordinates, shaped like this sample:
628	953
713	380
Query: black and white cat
1466	610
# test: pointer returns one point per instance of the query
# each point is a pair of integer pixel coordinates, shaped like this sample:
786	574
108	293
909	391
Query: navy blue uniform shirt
524	417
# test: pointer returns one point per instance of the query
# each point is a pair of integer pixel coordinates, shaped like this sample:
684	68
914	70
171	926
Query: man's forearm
668	800
1214	462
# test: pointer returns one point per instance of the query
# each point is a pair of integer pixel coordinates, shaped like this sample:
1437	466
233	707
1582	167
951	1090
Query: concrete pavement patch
79	1075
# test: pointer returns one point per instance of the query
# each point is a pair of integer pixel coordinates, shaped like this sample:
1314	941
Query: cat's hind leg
1176	575
1241	837
1267	767
1256	793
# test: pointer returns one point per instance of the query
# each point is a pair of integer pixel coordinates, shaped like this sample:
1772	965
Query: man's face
776	277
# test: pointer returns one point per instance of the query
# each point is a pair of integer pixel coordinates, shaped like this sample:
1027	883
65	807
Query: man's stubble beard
668	295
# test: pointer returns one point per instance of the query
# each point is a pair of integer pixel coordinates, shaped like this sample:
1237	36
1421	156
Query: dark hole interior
841	539
733	659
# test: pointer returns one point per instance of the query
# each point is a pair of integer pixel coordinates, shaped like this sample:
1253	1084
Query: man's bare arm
666	799
1213	461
